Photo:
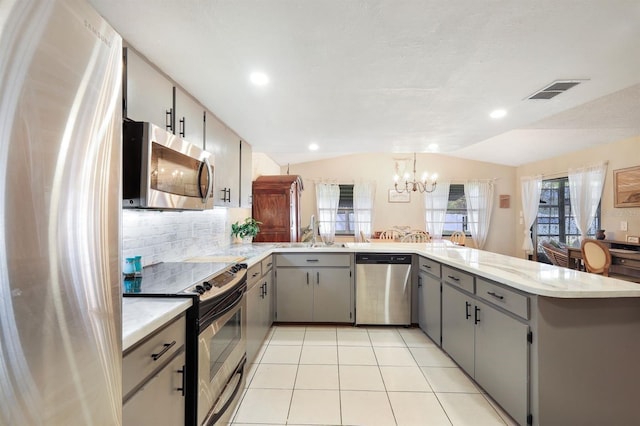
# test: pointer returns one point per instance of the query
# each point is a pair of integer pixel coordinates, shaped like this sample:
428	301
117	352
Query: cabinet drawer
313	260
254	273
267	264
458	278
152	353
507	299
430	266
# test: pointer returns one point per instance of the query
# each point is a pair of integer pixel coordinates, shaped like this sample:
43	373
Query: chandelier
426	184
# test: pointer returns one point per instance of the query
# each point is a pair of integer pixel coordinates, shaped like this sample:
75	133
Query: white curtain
585	190
531	189
363	198
479	197
435	204
327	197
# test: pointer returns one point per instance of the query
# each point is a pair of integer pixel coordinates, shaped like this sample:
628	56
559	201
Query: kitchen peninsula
551	345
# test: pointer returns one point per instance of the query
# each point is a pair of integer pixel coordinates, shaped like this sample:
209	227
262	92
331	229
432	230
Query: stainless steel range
216	336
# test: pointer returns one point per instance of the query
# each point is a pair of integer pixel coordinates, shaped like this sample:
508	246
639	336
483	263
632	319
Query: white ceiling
399	75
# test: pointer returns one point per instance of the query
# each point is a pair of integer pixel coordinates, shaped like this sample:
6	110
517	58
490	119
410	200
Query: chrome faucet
313	229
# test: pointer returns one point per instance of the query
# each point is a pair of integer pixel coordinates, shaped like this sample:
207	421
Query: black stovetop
170	278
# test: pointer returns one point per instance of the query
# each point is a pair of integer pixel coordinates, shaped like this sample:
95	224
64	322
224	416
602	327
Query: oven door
221	358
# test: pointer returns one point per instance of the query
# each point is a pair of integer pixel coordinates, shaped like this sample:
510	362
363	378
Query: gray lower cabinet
490	343
160	401
259	306
321	294
458	329
502	360
429	300
153	378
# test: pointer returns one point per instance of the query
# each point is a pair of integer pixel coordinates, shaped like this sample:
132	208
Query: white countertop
141	316
532	277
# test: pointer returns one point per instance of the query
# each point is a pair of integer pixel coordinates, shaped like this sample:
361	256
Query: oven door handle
228	394
229	304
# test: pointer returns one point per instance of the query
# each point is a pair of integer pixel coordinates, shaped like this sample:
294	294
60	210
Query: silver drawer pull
497	296
312	260
167	346
453	278
427	266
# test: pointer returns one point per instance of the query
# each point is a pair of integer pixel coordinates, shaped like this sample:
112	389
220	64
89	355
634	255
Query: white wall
379	167
620	155
263	165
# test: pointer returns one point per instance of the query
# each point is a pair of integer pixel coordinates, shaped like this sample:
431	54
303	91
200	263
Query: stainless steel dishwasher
383	289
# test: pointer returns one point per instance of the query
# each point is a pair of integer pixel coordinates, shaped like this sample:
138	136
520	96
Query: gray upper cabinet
224	144
246	173
148	94
189	120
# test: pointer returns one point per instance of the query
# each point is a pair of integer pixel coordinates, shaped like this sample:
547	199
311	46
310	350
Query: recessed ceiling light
433	147
498	113
313	147
259	78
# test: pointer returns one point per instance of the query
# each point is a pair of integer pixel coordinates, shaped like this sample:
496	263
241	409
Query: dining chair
596	257
363	238
389	234
458	238
416	237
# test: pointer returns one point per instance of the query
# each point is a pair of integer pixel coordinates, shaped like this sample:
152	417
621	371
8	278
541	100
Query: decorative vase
247	240
237	239
600	234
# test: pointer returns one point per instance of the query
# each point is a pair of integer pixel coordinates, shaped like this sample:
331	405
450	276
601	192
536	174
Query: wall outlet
623	225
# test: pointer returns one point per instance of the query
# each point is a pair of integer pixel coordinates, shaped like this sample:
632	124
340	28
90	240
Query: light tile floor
319	375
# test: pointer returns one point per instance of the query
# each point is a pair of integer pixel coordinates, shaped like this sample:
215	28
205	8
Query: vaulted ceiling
400	75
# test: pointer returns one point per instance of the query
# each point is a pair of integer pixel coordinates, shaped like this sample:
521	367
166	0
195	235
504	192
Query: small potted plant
245	231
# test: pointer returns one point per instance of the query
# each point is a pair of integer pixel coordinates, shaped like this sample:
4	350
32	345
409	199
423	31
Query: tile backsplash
166	236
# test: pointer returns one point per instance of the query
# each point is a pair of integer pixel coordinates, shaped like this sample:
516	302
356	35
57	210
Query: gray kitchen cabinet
246	173
502	360
259	306
147	92
323	293
490	341
224	144
429	300
294	295
189	120
458	329
160	401
153	378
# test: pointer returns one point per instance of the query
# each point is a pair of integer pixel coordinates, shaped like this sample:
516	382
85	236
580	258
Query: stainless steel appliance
163	171
216	331
383	289
60	115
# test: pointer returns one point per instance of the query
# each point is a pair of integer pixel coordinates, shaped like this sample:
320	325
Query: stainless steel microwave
162	171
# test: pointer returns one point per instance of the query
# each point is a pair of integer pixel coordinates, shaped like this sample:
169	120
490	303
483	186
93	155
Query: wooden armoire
276	203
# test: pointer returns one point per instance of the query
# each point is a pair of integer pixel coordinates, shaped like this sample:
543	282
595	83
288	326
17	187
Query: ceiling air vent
554	89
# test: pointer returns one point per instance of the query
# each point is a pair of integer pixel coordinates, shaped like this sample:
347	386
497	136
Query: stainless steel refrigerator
60	133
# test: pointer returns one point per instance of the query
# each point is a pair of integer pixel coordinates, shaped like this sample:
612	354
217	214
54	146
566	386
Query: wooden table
625	258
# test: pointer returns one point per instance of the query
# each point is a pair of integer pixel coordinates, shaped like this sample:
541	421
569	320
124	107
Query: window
345	218
555	220
456	217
